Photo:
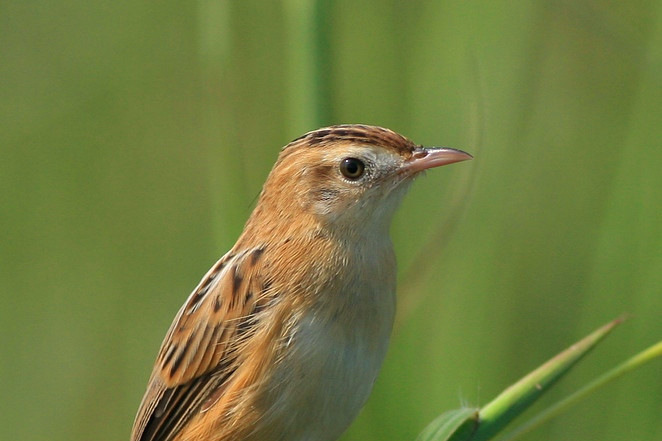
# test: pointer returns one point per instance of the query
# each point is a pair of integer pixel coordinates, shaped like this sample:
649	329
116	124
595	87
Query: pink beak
425	158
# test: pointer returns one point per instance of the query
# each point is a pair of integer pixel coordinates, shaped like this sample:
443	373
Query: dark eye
352	168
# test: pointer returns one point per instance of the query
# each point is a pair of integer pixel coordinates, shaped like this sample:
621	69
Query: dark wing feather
196	357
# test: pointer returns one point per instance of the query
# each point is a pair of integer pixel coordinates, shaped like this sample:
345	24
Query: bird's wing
198	354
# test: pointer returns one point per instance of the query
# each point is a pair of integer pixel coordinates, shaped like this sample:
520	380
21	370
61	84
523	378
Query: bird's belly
327	376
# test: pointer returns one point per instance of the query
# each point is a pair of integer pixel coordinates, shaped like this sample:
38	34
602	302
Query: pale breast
332	356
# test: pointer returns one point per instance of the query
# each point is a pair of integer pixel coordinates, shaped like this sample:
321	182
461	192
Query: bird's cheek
324	201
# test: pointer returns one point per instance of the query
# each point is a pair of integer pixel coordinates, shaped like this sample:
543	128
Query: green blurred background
136	135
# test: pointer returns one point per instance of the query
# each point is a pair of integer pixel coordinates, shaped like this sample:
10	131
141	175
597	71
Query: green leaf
518	397
638	360
470	425
454	425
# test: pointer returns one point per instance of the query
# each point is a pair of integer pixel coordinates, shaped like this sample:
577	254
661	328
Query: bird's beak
425	158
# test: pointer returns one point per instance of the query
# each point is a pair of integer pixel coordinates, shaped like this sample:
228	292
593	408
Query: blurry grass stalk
215	44
214	40
308	65
299	20
638	360
412	292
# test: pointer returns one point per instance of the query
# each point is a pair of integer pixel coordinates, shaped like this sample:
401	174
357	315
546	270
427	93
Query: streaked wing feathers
197	354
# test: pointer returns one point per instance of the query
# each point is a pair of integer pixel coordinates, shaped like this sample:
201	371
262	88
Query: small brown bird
284	336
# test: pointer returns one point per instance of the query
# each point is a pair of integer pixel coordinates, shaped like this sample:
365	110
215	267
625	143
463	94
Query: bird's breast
334	350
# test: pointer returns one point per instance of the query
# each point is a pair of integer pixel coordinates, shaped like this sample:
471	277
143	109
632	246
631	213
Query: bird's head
347	176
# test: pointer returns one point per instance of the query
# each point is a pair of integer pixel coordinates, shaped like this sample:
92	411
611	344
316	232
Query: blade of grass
638	360
518	397
467	425
457	424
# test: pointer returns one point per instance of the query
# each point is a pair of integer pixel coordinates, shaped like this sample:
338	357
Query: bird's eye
352	168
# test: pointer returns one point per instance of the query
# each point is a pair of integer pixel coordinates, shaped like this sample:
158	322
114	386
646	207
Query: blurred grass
135	137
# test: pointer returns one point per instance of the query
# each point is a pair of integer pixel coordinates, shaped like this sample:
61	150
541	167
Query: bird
284	336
